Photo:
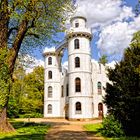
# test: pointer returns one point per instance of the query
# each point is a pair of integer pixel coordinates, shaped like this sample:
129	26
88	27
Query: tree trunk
5	126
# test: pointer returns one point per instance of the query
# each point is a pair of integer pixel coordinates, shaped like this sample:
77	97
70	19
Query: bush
32	115
111	127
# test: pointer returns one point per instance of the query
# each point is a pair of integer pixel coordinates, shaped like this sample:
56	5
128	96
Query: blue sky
113	24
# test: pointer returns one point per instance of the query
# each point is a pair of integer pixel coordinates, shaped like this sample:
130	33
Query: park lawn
95	129
26	131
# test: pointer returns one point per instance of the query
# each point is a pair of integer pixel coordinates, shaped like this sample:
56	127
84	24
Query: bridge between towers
62	45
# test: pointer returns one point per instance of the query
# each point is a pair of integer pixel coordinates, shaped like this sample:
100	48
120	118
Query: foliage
111	127
32	115
26	97
96	129
25	23
5	79
26	131
123	93
103	60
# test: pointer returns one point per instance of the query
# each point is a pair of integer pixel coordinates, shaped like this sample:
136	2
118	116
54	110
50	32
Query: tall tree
27	20
103	60
123	93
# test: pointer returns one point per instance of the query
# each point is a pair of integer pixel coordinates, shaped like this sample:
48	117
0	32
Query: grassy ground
26	131
94	128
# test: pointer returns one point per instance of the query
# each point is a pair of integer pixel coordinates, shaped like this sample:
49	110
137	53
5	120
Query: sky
113	23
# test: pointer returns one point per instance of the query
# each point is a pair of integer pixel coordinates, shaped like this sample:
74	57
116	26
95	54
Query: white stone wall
55	100
83	72
86	105
90	73
98	75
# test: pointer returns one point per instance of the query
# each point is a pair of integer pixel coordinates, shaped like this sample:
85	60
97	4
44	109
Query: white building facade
75	93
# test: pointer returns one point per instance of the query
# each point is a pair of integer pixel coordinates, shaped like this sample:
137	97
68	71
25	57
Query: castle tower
52	87
79	70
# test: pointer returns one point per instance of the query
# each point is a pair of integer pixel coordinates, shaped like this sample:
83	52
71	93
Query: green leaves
123	93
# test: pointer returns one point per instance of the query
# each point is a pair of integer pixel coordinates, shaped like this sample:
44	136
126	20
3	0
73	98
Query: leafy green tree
123	93
103	60
26	97
32	100
28	21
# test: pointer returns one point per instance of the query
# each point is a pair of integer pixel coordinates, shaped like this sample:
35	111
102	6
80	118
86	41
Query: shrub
111	127
32	115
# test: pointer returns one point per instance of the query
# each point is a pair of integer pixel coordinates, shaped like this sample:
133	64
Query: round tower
79	62
52	87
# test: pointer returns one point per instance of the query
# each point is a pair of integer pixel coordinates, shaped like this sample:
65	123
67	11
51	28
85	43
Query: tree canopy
30	22
123	93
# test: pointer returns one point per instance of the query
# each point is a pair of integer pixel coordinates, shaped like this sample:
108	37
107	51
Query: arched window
77	62
50	61
100	110
49	92
49	109
99	86
77	85
76	43
78	109
49	74
76	24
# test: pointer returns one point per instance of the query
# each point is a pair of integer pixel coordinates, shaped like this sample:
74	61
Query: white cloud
115	21
102	12
31	62
116	37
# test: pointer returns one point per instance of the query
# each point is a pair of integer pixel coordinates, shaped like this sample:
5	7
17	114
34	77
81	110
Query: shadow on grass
25	137
26	131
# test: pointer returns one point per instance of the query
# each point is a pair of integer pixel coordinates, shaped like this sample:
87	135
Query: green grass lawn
26	131
94	128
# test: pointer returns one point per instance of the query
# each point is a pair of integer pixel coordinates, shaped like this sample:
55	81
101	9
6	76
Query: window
49	74
49	61
62	91
99	86
77	62
67	88
49	109
77	85
49	91
76	24
78	109
100	110
76	43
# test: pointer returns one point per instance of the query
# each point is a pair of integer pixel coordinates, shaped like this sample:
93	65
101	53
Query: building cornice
79	34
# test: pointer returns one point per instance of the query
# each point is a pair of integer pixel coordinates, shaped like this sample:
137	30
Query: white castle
75	93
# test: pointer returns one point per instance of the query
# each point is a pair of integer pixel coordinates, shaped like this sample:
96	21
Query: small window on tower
49	61
49	109
78	109
76	44
76	25
49	92
77	85
49	74
77	62
99	86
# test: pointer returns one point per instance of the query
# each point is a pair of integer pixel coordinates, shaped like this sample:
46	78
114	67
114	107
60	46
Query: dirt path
68	130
